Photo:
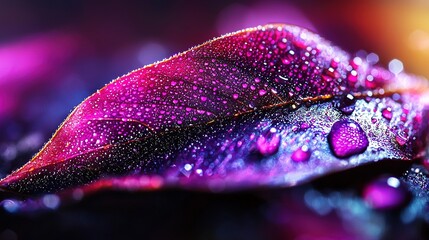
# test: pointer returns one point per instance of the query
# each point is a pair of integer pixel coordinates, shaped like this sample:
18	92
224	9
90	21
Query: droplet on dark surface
347	138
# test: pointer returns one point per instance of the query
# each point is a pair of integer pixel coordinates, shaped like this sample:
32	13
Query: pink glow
31	61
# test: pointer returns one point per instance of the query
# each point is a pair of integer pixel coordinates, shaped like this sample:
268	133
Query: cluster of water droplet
274	104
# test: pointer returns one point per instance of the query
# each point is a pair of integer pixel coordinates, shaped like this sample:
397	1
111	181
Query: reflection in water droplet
347	138
269	142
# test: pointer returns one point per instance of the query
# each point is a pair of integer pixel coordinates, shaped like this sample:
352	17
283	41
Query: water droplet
347	138
286	61
370	82
262	92
188	167
352	77
335	62
401	137
268	143
346	104
302	154
304	126
235	95
386	193
387	113
331	73
282	44
356	62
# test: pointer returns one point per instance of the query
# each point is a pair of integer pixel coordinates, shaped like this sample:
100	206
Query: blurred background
53	54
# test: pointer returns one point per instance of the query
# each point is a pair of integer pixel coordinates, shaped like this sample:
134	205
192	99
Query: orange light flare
395	30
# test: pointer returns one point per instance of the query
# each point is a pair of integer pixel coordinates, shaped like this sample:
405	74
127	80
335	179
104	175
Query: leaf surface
275	105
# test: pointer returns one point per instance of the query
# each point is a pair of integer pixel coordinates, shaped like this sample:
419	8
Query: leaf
269	106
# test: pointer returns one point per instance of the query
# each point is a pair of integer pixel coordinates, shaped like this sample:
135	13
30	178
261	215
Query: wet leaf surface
272	106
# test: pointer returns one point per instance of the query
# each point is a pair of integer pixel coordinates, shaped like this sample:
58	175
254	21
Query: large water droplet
302	154
347	138
268	143
385	193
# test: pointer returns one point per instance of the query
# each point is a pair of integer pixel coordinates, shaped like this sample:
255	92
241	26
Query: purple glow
25	64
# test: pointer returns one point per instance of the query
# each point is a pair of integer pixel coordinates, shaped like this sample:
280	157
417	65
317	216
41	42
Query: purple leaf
268	106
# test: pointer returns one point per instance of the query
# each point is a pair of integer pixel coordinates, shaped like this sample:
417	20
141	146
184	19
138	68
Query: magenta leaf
270	106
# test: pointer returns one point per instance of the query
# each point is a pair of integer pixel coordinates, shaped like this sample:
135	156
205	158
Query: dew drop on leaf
347	138
387	113
269	142
302	154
